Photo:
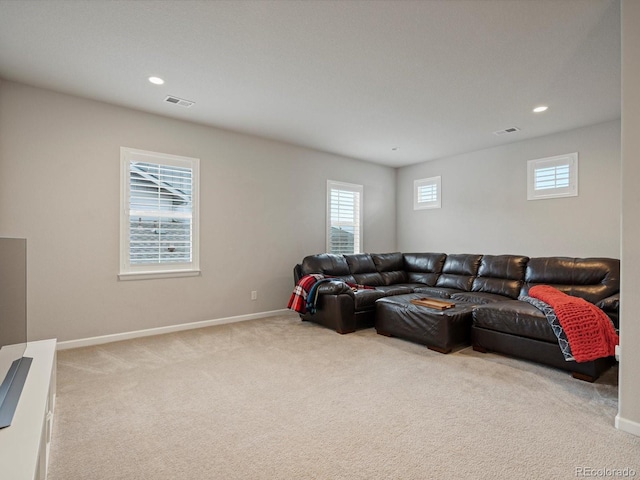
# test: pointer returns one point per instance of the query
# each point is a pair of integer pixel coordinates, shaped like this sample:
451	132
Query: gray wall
262	210
629	386
485	207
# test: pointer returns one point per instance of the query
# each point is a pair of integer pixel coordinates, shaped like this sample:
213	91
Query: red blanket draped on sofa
298	300
589	330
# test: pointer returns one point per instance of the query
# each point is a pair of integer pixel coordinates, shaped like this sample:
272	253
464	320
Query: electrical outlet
254	294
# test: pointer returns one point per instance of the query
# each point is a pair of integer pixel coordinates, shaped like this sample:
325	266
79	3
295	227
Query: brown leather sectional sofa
491	283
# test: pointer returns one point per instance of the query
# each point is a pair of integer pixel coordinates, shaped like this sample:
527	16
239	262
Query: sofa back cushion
423	267
459	271
327	264
363	269
501	274
390	266
590	278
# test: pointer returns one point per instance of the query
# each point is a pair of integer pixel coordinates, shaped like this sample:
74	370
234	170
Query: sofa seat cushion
366	299
437	292
516	318
399	289
480	298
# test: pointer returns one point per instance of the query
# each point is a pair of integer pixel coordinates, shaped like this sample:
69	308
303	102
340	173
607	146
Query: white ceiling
355	78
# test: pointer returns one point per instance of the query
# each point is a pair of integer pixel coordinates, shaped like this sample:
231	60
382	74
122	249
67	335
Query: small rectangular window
344	218
426	193
552	177
159	215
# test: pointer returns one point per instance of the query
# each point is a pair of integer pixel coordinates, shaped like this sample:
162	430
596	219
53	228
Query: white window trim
332	184
139	272
437	181
570	159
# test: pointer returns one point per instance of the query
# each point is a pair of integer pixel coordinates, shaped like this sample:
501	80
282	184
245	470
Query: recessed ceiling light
540	109
156	80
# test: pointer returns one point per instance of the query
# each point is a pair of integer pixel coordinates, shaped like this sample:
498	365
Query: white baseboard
628	426
116	337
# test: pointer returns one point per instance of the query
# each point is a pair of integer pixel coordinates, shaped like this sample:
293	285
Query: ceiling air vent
507	130
179	101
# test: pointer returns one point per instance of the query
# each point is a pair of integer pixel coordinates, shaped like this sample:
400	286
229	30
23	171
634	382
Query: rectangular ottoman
439	330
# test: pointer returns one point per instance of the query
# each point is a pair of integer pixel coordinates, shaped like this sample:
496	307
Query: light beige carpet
281	399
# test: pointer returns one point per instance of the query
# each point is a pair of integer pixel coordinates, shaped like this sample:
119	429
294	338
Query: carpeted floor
282	399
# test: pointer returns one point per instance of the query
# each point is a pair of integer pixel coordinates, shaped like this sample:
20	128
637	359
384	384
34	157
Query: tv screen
13	324
13	291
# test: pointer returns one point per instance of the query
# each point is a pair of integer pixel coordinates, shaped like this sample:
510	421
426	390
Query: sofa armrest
336	311
334	287
610	304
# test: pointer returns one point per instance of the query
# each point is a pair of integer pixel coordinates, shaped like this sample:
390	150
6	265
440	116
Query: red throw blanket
298	300
589	330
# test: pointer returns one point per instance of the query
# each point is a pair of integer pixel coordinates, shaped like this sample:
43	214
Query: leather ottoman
439	330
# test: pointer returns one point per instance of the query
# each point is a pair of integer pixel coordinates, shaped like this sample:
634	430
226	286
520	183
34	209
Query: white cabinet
24	446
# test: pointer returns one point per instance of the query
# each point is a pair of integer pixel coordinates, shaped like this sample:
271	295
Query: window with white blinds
427	193
552	177
344	218
159	224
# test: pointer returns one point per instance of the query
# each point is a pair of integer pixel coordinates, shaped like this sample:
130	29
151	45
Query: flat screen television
14	367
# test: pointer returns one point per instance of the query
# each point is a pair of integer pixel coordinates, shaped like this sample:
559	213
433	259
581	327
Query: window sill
158	274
